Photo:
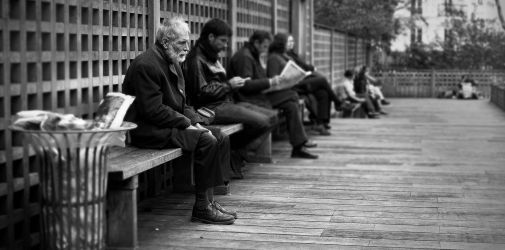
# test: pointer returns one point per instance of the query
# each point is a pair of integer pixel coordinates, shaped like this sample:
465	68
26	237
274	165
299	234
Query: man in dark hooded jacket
208	86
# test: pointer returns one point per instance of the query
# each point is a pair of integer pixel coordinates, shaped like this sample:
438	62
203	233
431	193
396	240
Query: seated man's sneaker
385	102
310	144
222	210
383	112
373	115
210	215
302	153
321	130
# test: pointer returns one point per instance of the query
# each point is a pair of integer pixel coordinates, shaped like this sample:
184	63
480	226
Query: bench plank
230	129
130	161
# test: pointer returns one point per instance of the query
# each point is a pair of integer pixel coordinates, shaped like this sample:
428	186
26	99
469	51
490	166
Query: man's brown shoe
222	210
302	153
210	215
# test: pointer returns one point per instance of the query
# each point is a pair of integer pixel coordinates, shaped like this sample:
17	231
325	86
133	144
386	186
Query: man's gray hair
171	28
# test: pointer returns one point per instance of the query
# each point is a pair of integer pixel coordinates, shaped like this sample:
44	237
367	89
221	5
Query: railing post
332	58
395	87
346	51
274	16
154	20
232	17
297	29
310	5
433	93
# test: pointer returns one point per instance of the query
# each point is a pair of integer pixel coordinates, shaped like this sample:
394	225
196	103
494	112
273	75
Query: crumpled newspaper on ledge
109	115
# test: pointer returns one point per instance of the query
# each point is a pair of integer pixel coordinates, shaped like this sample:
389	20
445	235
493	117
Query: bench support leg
263	153
122	214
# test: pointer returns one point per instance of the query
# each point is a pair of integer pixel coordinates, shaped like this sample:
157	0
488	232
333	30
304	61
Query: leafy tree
369	19
500	13
471	46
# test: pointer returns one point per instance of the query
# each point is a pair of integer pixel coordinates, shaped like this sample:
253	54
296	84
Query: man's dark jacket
206	82
159	108
246	63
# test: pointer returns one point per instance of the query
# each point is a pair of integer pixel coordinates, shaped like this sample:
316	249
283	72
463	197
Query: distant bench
124	166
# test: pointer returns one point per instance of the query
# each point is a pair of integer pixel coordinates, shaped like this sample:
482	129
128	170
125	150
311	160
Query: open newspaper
294	73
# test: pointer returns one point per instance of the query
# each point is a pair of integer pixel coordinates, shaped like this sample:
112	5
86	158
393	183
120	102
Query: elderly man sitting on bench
165	121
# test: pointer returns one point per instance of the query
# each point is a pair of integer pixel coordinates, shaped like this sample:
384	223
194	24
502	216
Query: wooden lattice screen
334	51
65	55
283	16
62	56
321	51
251	15
339	56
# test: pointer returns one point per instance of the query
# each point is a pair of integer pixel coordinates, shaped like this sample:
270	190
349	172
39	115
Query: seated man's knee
291	107
207	140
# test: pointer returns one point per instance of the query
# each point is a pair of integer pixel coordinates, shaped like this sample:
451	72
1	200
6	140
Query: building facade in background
429	21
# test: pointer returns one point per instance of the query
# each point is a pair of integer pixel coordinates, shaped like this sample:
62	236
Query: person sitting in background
207	86
467	89
246	64
374	86
315	84
310	85
165	121
348	100
345	89
361	82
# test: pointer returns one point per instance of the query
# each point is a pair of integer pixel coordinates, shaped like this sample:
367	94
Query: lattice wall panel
308	32
197	12
62	56
322	47
338	56
352	52
361	52
251	16
283	16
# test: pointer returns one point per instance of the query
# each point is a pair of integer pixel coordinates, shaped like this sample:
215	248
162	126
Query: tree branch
500	14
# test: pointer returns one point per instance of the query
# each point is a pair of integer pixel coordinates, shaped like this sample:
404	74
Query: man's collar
161	51
207	50
254	51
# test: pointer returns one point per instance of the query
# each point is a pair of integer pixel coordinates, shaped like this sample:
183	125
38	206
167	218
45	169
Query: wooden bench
124	166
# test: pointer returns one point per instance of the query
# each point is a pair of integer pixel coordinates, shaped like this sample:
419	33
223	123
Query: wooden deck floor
431	175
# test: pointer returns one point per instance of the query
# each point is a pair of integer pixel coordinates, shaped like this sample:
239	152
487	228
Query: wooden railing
427	84
498	95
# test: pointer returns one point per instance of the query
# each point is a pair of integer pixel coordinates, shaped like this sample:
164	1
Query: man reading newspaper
293	73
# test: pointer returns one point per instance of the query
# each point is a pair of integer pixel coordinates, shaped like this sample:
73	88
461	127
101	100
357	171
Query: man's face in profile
219	43
178	48
262	47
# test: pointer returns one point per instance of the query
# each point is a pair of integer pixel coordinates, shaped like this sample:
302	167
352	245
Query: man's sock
210	194
201	199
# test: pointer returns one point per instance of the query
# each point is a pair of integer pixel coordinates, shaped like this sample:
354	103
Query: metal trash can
73	184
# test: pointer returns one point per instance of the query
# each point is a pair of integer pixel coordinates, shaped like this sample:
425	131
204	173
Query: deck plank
431	175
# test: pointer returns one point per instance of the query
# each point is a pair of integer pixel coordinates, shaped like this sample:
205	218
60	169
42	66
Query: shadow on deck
430	175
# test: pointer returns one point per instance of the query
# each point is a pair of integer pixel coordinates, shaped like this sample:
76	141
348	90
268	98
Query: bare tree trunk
500	13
